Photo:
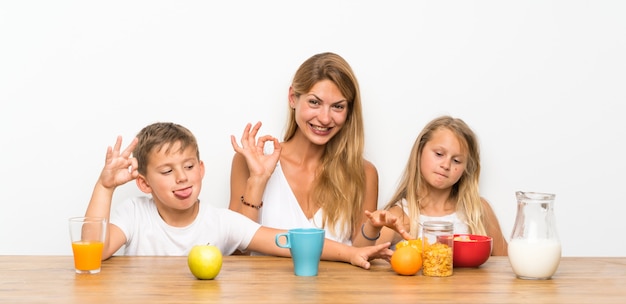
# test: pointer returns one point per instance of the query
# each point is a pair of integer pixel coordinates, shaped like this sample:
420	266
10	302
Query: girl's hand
119	167
260	164
384	218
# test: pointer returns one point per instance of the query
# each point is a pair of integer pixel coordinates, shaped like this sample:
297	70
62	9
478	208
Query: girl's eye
438	153
458	161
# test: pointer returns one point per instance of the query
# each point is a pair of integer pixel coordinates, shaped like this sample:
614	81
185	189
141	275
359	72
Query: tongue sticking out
183	193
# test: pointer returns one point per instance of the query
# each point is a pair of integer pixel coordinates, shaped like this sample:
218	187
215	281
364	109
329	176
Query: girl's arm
492	226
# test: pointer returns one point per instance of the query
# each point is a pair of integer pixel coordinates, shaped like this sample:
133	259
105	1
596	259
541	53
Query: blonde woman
316	177
440	182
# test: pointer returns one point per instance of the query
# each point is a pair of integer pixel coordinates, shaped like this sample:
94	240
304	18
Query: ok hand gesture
260	164
119	167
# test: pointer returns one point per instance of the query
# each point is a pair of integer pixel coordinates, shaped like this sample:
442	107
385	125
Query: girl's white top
459	225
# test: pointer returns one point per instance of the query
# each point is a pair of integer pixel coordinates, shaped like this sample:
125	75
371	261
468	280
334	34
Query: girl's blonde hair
465	192
340	182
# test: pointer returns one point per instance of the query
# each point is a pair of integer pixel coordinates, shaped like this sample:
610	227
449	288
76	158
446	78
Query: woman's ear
142	184
292	98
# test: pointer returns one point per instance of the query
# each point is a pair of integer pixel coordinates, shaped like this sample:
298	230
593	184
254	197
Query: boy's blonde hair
161	135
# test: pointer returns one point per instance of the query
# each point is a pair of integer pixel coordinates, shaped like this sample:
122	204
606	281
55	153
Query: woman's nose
324	116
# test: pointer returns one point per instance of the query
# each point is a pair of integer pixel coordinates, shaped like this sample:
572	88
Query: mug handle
287	242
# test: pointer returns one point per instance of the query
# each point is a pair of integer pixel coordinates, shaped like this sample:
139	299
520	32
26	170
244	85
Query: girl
440	182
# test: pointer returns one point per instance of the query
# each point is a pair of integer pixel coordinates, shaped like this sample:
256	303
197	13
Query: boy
166	163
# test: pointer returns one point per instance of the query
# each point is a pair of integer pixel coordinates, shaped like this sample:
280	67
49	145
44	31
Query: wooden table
245	279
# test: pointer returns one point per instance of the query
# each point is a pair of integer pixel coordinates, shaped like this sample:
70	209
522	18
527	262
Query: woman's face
321	112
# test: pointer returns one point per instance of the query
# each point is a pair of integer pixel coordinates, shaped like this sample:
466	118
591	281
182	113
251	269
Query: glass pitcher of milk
534	248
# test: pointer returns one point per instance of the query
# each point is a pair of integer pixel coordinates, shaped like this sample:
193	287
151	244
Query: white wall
540	82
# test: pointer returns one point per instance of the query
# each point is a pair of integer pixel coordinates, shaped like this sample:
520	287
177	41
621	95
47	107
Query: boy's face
174	179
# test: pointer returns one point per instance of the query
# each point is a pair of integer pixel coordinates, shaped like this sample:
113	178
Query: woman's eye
339	106
314	102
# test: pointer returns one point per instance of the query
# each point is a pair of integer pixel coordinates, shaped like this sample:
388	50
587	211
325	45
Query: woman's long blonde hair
340	182
465	192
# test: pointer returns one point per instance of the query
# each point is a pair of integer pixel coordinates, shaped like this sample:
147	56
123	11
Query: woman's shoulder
369	167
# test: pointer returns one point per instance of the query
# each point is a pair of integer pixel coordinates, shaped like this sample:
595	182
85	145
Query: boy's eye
165	172
189	167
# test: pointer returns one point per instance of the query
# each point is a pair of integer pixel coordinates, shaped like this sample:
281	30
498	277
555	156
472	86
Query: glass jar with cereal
438	238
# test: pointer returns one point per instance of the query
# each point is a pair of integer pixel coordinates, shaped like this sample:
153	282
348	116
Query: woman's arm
370	203
251	169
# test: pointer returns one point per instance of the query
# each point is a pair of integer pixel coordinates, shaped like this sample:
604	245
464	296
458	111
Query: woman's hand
384	218
260	164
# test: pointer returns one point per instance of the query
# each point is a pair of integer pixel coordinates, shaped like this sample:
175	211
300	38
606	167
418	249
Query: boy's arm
119	169
264	241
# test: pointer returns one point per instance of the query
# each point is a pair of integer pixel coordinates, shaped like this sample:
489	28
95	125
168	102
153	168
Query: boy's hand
119	167
384	218
259	164
363	255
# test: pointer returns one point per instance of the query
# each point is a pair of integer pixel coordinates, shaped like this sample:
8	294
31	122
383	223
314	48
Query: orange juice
87	255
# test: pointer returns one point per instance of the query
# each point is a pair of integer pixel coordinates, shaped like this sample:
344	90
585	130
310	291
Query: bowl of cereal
471	250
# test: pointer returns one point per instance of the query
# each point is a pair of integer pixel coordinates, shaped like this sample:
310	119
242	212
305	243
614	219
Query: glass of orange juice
87	235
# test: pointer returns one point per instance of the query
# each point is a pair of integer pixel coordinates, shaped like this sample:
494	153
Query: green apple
205	261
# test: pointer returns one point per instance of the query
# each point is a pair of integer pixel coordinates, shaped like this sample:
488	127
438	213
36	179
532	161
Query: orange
406	260
417	244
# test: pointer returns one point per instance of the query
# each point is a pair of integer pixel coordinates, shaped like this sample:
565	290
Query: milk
534	258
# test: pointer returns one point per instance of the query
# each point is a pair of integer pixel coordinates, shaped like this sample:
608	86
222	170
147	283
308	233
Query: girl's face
443	159
173	178
320	113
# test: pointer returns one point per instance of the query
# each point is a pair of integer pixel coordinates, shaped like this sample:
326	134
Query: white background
541	82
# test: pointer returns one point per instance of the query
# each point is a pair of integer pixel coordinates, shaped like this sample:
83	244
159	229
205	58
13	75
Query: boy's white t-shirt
147	234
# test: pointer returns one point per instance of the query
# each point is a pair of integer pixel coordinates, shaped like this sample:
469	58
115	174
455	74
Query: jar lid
438	225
